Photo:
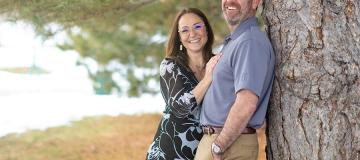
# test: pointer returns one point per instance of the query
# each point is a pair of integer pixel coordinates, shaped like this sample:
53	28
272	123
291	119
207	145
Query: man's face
236	11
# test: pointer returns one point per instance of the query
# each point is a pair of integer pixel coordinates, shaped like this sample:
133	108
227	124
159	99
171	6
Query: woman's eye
197	27
184	31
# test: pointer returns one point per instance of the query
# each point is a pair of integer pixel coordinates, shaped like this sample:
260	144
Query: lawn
94	138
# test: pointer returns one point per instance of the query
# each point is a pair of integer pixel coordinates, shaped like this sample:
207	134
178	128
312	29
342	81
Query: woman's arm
200	90
177	89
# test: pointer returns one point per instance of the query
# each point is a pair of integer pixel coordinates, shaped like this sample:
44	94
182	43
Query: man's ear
256	3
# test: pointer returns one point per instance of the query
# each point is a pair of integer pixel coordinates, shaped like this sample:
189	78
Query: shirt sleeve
176	89
250	65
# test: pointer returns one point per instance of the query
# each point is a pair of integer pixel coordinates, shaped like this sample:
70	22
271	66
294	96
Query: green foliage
112	31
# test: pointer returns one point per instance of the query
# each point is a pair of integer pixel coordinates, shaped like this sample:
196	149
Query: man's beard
242	15
233	21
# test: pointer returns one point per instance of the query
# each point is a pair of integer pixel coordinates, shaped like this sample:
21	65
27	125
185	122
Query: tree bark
314	112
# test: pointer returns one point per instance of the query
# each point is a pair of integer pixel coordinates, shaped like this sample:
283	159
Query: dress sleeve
176	89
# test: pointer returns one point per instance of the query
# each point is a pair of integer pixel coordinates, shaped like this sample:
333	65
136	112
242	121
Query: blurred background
79	79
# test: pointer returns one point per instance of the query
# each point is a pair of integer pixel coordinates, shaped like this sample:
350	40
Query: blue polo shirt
247	63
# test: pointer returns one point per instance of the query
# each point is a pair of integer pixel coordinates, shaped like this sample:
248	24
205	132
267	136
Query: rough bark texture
314	111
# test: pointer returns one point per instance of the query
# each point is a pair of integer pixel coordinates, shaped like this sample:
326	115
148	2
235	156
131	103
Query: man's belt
217	130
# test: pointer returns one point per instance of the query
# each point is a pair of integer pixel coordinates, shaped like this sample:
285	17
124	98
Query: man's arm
239	116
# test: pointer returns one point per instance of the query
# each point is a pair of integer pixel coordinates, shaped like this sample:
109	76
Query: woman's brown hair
173	46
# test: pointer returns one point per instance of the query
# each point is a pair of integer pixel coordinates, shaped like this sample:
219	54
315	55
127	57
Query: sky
19	40
38	101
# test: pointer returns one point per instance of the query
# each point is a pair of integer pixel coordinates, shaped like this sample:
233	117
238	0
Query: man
236	102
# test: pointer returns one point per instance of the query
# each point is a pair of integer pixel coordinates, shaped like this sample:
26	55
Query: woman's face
193	34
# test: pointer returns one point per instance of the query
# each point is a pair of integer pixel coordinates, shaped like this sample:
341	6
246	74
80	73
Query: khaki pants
244	148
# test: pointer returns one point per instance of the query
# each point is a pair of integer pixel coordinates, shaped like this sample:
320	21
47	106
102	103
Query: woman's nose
192	32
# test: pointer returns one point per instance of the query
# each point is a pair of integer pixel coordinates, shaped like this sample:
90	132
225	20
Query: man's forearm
238	118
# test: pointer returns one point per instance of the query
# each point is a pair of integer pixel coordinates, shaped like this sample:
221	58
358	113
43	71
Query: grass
25	70
93	138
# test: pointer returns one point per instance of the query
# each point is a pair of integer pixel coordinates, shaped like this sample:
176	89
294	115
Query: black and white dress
179	132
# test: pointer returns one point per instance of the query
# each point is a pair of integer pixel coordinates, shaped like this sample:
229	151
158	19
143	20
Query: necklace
197	67
198	71
200	66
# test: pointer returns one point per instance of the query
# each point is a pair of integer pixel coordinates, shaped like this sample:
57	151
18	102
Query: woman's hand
200	90
210	65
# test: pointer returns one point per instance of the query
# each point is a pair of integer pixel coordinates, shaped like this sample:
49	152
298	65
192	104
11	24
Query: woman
184	79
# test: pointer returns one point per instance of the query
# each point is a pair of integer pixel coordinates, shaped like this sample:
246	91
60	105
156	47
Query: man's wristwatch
216	149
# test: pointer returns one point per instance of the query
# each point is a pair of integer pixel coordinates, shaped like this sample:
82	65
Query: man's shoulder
254	37
253	34
254	40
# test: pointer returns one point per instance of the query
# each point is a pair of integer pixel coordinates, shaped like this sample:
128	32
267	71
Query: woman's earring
180	47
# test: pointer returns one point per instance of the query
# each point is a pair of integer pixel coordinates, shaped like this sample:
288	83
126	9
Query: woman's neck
197	65
196	60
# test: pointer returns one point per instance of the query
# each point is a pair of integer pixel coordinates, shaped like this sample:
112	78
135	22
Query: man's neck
233	27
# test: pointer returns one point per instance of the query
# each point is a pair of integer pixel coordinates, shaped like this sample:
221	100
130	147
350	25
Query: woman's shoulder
167	65
168	61
172	61
171	64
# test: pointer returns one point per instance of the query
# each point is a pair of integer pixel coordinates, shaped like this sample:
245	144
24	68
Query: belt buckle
207	130
211	130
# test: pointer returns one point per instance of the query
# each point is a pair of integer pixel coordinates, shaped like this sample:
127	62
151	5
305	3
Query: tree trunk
314	111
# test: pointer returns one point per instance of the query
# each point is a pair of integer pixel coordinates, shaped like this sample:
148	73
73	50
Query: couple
214	103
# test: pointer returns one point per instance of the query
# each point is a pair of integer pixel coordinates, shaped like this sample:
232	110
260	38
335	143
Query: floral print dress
179	132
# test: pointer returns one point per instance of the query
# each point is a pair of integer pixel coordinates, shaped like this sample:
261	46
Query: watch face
216	149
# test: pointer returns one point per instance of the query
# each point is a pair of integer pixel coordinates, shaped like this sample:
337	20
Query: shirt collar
252	21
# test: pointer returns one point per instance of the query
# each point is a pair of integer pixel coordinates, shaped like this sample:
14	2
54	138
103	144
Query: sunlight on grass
107	138
25	70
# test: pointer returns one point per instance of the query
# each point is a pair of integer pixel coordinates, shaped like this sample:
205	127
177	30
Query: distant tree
315	106
127	32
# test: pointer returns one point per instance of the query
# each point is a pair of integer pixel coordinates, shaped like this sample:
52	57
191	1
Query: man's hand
216	151
217	156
